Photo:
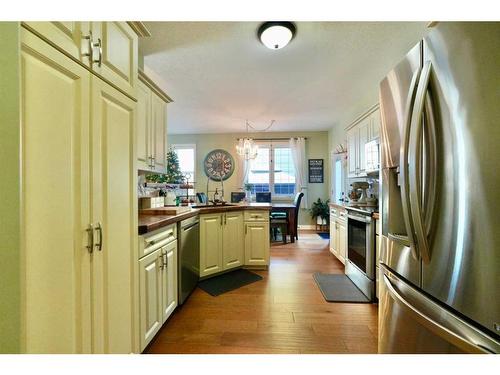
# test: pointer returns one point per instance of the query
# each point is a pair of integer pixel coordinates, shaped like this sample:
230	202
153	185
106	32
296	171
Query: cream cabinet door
159	133
114	203
342	241
233	249
352	149
169	280
333	236
143	133
117	54
55	195
210	244
256	244
150	290
364	133
70	36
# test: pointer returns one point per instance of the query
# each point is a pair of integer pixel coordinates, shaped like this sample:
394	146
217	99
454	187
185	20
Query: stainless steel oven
360	263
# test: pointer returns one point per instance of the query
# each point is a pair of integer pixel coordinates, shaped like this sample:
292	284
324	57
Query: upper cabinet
151	125
365	129
109	49
115	54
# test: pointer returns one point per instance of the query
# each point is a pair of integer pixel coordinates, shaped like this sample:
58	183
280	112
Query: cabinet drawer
377	249
257	215
157	239
377	227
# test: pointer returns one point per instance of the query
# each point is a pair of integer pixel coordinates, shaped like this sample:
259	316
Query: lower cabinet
158	290
233	244
211	244
257	243
341	239
233	239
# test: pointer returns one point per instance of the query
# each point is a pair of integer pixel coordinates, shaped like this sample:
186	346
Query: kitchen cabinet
115	54
150	280
257	243
169	280
158	290
233	248
113	210
365	129
79	216
72	37
341	235
151	126
211	258
338	233
108	49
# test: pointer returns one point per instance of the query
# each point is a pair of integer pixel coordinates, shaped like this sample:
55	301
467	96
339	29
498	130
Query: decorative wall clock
218	165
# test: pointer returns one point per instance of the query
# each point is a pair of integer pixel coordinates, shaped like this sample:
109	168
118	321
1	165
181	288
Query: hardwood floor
283	313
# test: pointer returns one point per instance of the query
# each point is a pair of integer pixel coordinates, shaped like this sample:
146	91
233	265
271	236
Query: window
272	170
187	156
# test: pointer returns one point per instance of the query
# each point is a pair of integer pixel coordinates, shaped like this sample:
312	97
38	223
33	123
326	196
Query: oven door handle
366	220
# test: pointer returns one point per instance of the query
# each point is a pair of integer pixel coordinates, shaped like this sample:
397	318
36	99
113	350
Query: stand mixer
361	186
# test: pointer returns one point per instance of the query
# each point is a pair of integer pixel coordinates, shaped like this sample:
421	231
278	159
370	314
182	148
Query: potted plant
248	191
320	211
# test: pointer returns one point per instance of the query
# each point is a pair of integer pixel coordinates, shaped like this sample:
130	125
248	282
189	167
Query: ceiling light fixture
246	147
276	34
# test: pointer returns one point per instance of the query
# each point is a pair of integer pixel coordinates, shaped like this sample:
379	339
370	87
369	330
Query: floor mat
339	288
228	281
325	236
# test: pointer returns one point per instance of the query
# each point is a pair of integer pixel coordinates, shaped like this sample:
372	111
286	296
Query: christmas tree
173	175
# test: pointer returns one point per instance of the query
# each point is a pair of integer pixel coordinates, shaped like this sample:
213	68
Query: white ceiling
219	74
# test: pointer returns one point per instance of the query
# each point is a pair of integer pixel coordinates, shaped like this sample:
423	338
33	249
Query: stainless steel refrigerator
440	158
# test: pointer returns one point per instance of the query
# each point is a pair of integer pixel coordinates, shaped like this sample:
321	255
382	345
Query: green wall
316	148
9	189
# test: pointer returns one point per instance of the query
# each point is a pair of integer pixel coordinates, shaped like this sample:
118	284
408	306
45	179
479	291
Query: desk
289	209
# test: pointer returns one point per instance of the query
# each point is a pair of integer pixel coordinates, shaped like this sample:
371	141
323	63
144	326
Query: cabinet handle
88	38
165	260
225	219
90	235
99	230
246	229
99	46
221	220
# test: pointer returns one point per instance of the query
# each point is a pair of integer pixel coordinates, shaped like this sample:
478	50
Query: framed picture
316	171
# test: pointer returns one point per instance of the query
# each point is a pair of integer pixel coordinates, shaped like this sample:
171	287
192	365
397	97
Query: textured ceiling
219	74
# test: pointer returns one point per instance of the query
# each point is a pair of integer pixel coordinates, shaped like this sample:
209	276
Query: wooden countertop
150	222
376	216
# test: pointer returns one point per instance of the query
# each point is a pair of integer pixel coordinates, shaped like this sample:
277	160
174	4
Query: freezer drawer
410	322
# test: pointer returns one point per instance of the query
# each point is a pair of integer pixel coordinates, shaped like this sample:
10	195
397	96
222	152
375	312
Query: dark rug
325	236
339	288
228	281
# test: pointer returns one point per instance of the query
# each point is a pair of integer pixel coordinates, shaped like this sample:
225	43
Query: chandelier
246	147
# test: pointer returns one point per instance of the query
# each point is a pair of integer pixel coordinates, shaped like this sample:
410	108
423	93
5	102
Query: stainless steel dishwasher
189	256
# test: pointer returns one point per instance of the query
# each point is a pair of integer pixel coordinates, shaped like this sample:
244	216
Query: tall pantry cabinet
78	203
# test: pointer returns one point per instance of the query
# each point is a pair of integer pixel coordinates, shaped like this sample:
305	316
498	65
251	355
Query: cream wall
316	148
9	189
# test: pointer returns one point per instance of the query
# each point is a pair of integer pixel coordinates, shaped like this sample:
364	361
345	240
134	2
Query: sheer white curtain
243	169
298	148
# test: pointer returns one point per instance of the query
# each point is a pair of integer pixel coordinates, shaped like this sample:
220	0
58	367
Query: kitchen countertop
150	222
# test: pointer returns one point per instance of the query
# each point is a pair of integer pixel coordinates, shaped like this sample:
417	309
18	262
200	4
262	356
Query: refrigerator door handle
405	199
415	167
438	320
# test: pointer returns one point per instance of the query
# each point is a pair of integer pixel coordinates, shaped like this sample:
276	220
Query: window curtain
298	149
243	169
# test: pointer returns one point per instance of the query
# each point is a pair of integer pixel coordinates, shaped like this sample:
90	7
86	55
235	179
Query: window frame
187	146
272	145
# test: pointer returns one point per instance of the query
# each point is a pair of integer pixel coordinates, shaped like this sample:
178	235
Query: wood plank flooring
283	313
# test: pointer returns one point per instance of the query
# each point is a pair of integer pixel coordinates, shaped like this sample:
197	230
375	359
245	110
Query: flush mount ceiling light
276	34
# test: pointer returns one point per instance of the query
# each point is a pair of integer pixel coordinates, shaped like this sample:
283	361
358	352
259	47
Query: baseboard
307	227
